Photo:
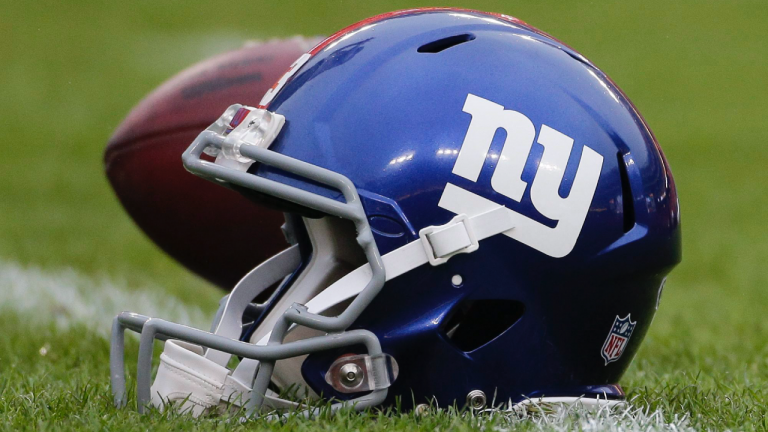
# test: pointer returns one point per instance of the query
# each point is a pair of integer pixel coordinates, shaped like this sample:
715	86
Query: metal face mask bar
239	137
151	328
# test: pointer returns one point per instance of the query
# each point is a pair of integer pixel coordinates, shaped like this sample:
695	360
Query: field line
68	297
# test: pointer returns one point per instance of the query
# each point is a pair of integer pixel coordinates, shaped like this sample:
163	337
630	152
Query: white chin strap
201	382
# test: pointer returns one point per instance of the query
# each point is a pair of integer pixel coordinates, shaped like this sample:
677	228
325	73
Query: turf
70	71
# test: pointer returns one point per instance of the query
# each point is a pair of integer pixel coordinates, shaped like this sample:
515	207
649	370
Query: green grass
70	71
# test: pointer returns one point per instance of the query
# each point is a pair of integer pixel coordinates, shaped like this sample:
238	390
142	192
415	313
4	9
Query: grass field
70	258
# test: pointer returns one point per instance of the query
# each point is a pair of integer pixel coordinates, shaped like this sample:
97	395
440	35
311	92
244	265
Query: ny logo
569	212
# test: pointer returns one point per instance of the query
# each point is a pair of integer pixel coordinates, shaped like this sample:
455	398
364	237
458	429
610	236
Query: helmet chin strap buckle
444	241
358	373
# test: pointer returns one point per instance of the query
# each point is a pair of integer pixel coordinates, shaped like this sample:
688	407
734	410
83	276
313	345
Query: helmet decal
569	212
617	339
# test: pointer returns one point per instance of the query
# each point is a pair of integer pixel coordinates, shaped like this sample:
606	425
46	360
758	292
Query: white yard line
67	297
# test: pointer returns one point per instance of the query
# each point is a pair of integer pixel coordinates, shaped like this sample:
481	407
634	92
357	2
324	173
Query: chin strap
201	384
435	246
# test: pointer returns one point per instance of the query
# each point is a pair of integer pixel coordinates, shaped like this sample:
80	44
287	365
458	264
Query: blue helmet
476	212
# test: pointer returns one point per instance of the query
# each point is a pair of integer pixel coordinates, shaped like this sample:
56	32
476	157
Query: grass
70	71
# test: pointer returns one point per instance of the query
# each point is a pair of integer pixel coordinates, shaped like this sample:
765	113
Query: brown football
211	230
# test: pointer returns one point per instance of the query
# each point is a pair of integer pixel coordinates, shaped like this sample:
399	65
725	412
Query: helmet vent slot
445	43
474	323
627	200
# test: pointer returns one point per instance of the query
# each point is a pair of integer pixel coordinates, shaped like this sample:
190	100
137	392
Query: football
213	231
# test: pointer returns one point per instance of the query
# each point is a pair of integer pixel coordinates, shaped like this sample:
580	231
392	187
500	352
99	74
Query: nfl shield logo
617	339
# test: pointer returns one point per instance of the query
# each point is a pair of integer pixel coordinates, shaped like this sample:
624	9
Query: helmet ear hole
474	323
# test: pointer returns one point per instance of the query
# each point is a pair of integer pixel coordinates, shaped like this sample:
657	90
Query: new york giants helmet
475	212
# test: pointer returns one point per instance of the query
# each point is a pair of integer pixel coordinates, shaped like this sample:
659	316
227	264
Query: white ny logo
569	212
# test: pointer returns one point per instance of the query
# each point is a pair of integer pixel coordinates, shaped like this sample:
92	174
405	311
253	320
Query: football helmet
476	214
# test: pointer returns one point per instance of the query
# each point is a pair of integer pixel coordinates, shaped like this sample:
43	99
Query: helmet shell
373	104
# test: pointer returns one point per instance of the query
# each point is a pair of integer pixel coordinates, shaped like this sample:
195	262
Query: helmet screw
476	399
351	375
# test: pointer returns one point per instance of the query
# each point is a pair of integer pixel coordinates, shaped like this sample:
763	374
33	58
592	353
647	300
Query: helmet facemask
236	146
